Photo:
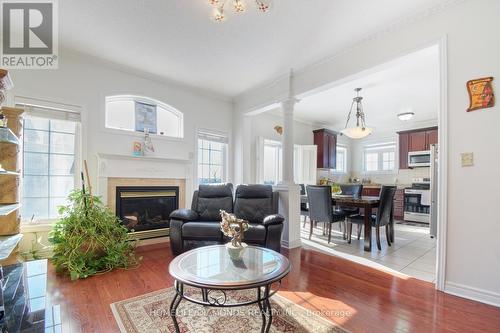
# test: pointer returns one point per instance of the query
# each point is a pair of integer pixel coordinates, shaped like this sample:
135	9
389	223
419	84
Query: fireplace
145	208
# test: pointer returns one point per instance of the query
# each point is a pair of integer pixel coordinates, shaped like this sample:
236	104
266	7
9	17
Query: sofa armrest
273	219
184	215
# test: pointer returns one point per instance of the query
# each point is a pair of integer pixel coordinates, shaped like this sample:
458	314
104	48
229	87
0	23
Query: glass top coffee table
211	270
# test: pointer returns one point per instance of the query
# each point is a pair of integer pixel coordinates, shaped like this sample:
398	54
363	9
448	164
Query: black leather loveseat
200	225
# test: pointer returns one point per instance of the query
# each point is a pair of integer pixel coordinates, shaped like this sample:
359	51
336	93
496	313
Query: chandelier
239	6
360	130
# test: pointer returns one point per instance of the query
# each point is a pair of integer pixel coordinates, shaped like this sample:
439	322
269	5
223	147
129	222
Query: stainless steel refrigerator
434	191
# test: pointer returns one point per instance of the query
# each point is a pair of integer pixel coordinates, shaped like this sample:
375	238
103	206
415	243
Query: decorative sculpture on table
233	227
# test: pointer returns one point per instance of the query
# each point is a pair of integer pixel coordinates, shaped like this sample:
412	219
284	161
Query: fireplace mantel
145	169
142	158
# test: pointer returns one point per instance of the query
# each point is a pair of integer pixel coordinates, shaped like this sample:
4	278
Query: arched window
137	114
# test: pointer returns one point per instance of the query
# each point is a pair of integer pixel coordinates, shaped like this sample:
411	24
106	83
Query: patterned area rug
150	314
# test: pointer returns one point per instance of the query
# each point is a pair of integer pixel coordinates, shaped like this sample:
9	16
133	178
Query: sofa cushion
212	199
215	190
253	202
202	230
256	233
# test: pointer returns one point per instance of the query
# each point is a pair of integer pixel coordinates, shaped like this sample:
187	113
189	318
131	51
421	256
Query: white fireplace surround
145	167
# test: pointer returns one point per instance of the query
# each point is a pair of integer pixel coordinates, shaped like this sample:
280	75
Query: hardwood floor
357	297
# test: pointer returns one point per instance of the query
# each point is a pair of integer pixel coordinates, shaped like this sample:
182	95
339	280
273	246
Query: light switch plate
467	159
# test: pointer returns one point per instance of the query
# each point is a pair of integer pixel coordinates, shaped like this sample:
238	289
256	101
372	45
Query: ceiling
410	83
177	40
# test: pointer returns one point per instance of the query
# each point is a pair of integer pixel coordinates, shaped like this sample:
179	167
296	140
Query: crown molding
392	27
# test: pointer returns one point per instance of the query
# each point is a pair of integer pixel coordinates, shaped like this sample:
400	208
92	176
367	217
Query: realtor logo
29	34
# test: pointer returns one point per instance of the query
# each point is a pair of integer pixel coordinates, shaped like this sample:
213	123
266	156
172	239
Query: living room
148	101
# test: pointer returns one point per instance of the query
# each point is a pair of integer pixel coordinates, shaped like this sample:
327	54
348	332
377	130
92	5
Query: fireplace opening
142	208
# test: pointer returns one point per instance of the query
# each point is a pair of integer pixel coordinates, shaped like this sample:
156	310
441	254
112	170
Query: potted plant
89	239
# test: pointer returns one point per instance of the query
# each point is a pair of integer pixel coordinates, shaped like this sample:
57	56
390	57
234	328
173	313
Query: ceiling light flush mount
239	6
405	116
360	130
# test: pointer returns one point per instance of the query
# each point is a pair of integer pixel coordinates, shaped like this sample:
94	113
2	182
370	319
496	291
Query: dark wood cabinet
404	139
326	141
431	138
371	191
399	203
415	140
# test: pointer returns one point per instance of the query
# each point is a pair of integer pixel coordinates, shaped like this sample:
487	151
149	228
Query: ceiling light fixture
360	130
239	6
405	116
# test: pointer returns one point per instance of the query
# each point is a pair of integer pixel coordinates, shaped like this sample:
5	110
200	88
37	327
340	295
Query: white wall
473	250
262	125
86	82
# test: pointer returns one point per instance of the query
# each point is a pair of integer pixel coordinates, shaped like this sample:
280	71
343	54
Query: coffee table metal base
218	298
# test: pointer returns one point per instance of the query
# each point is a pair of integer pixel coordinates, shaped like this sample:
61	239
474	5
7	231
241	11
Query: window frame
78	151
346	154
222	138
147	100
380	149
279	158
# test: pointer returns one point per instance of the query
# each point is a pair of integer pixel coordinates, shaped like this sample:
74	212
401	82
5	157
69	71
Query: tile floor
413	252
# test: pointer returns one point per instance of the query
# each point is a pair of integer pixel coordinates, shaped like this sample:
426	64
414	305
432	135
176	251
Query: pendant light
359	131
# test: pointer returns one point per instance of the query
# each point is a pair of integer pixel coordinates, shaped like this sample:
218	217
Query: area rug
150	314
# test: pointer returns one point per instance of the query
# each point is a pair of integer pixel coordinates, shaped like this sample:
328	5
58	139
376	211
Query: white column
289	191
287	141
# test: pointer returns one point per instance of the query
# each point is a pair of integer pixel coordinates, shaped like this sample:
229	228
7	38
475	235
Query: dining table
367	203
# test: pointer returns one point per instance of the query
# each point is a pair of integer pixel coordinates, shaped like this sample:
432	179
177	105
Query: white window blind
51	159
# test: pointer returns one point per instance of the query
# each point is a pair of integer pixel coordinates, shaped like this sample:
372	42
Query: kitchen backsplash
401	177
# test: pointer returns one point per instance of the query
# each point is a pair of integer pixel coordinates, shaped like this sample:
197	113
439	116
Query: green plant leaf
89	239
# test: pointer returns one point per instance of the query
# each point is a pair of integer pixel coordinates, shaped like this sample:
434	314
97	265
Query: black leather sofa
200	225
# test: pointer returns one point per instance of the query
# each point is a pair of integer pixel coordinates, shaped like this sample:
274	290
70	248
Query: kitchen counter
374	185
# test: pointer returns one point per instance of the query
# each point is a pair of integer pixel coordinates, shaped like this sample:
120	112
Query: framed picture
481	94
145	117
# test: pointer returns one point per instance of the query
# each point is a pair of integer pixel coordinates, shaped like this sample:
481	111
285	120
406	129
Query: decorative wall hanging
145	117
481	94
278	129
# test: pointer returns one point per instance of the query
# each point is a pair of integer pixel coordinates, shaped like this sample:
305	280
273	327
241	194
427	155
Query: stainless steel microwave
418	159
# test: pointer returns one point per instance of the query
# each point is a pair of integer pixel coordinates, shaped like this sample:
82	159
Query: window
272	172
380	158
133	113
212	157
341	166
50	160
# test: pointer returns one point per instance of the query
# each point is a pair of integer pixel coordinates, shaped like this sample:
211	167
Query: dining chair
383	217
321	208
304	211
355	190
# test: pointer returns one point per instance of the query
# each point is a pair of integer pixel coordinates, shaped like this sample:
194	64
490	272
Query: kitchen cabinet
403	150
326	141
371	191
399	203
431	137
415	140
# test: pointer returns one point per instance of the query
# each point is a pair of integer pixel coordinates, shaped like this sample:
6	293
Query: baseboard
476	294
291	245
151	241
